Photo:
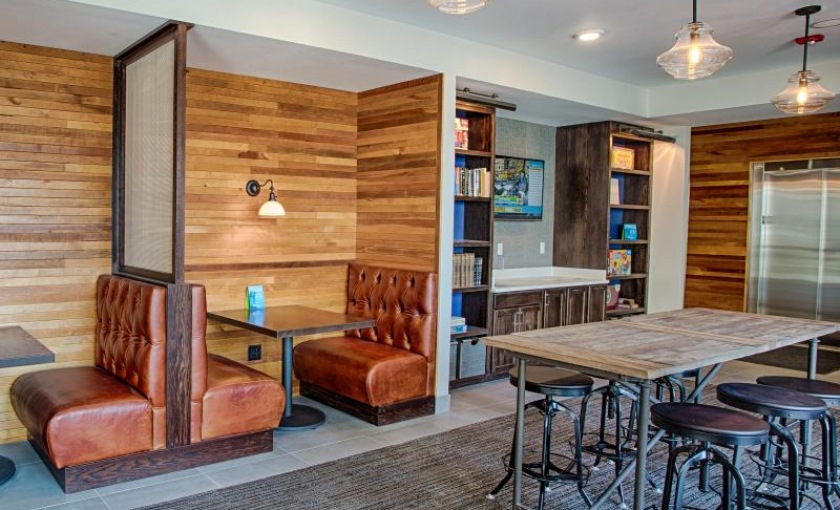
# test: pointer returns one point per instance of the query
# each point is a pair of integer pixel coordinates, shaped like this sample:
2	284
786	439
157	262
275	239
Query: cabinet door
504	322
576	305
531	317
597	303
554	308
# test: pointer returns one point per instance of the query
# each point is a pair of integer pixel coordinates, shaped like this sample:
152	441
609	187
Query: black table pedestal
303	417
7	469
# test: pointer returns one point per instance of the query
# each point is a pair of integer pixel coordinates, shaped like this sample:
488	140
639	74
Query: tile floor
33	487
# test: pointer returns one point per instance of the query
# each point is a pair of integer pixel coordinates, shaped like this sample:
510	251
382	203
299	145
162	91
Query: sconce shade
803	94
696	54
458	6
271	208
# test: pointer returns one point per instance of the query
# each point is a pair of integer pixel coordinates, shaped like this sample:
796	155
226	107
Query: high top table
19	348
284	322
638	350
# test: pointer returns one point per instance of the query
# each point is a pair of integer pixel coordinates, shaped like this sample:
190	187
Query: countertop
534	278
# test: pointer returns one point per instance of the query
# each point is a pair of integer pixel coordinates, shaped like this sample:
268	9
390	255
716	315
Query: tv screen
518	188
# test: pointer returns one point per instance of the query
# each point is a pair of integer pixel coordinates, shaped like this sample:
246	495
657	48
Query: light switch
499	250
542	247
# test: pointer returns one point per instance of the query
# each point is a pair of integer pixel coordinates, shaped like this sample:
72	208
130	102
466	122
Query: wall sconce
271	208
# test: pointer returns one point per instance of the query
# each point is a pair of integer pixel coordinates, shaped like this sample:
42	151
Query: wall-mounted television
518	188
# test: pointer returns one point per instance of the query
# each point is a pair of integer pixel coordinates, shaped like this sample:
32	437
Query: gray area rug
795	357
453	470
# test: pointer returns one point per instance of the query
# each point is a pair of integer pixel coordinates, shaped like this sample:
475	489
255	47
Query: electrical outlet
254	352
542	247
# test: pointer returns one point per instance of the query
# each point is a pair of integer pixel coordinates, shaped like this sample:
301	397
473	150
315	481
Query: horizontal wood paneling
719	197
55	202
398	175
304	139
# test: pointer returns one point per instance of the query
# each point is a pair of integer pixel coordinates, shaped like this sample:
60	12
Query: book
462	133
613	291
623	158
477	271
618	262
615	192
254	297
629	232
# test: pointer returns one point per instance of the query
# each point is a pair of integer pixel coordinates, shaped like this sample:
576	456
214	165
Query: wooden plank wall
55	210
304	139
719	202
398	175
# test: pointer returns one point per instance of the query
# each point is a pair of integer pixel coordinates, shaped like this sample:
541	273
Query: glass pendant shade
803	94
458	6
696	54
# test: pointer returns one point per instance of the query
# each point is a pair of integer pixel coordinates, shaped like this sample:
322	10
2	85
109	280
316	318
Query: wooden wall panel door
399	175
554	308
55	202
718	227
577	302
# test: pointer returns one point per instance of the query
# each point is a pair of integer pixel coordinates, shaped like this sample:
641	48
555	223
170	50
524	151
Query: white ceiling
759	31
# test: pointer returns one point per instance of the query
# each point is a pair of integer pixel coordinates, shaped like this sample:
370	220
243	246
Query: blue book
629	232
255	298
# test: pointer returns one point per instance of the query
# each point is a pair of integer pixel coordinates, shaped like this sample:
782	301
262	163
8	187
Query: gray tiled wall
522	239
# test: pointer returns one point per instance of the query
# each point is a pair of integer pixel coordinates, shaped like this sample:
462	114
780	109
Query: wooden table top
660	344
288	321
19	348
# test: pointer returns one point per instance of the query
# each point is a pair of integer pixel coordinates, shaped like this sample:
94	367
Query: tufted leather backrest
130	338
403	303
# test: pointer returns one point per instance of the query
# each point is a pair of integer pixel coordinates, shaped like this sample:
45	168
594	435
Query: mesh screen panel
149	167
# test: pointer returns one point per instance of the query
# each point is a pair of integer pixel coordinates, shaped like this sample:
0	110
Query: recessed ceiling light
589	35
833	22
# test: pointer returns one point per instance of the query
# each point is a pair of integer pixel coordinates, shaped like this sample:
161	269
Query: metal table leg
642	444
519	437
296	416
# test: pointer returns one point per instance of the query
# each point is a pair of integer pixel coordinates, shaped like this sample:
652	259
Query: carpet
795	357
452	470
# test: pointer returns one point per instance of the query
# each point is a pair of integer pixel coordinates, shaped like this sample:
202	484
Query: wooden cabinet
603	185
523	311
472	228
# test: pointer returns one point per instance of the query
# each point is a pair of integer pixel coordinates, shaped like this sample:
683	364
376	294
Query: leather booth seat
389	364
118	406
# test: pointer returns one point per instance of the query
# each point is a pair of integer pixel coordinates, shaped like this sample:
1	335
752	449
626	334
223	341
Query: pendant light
458	6
696	54
804	94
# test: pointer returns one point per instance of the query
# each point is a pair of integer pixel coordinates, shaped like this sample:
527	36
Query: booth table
19	348
284	322
638	350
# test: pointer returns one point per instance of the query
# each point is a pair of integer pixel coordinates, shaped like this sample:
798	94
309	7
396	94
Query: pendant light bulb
458	6
696	54
804	93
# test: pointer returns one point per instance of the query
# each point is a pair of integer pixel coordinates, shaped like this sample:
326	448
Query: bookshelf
604	184
473	233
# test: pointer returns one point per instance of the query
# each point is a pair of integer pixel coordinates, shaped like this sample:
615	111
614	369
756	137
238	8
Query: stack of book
457	325
462	133
467	270
472	182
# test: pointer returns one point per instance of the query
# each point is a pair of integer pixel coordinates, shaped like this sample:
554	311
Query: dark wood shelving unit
473	231
587	224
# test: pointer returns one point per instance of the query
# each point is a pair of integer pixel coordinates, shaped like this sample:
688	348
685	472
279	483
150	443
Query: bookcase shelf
473	225
606	165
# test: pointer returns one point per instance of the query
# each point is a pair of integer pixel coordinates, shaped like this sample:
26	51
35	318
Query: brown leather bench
117	407
382	374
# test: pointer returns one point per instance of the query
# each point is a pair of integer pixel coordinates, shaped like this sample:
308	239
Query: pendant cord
807	43
694	16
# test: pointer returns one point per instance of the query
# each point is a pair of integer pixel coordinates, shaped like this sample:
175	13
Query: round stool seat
824	390
771	401
706	423
694	372
553	381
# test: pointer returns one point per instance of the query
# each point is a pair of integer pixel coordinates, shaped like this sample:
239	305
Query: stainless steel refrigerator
794	259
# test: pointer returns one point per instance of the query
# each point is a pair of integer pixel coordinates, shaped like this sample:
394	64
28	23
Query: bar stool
551	382
709	426
675	385
829	393
779	406
621	449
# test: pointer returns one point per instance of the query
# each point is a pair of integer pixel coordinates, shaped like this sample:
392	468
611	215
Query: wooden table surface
660	344
18	348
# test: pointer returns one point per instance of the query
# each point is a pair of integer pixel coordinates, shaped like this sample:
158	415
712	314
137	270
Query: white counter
534	278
